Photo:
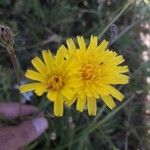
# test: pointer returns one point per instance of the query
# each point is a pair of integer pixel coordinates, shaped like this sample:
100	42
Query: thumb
12	138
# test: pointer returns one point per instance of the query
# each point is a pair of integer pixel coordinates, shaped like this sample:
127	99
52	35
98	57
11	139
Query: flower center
90	71
56	82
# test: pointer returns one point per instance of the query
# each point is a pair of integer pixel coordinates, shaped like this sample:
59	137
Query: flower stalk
7	41
14	62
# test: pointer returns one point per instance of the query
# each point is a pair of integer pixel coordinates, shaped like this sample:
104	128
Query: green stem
115	18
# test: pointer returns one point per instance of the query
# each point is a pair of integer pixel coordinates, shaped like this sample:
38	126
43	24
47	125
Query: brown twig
16	69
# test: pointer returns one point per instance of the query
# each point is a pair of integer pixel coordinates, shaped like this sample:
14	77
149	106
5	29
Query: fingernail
40	125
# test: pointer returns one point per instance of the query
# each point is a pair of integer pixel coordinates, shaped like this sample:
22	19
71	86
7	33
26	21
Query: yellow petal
102	46
118	60
93	43
48	58
39	65
71	63
95	94
81	102
29	87
101	89
88	91
58	106
115	93
74	82
70	102
108	101
122	69
65	51
92	106
61	54
122	79
52	95
40	90
113	69
33	75
70	44
81	42
116	79
68	93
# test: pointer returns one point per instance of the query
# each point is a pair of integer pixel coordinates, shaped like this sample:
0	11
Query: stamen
56	82
90	71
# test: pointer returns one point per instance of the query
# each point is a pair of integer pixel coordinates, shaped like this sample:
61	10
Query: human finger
13	110
13	138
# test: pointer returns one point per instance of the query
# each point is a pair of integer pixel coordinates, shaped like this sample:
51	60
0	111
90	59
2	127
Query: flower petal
70	44
92	106
122	69
81	102
33	75
93	43
116	79
68	93
40	91
115	93
81	42
29	87
58	106
39	65
118	60
48	58
109	101
61	54
52	95
101	89
122	79
70	102
102	46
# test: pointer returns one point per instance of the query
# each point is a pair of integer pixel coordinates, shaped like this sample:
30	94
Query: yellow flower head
99	69
55	76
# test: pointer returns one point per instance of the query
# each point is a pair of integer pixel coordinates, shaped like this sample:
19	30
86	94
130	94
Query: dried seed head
6	37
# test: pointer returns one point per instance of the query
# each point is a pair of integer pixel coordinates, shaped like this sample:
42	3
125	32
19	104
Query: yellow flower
56	76
99	69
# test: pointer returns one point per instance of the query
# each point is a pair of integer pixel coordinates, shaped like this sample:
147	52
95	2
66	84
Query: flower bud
114	31
6	37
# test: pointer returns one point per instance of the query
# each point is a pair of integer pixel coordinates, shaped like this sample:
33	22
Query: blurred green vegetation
42	24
